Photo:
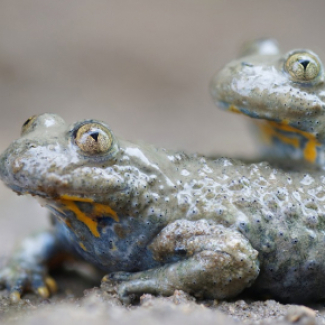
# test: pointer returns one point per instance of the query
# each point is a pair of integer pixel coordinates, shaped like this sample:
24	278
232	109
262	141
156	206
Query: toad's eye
303	66
28	125
93	139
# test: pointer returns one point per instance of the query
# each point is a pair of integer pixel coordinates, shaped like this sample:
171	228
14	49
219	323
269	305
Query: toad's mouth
19	190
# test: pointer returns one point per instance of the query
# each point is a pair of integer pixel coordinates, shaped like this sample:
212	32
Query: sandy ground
99	307
144	67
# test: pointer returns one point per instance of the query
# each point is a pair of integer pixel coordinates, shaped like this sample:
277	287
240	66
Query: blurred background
143	66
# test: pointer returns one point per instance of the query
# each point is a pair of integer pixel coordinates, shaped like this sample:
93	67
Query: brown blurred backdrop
143	66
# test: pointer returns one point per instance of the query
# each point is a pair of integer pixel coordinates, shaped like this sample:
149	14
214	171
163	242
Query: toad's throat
286	134
289	135
90	219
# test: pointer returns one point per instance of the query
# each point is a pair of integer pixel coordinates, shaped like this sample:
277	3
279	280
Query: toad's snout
14	161
3	166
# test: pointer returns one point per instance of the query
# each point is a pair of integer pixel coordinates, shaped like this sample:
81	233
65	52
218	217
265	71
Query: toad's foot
18	280
27	269
204	259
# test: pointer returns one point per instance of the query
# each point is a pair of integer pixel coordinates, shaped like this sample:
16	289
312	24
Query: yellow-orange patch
99	210
83	246
271	129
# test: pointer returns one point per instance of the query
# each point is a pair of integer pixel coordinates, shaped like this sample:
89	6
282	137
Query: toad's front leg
202	258
27	269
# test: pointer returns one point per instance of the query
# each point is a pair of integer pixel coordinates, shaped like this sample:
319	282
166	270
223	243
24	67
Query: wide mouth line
66	195
23	191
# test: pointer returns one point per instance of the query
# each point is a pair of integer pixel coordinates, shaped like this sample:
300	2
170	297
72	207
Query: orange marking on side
270	129
76	198
310	151
234	109
270	132
90	223
99	210
83	246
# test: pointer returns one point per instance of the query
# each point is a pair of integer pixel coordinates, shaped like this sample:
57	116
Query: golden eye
303	66
93	138
28	124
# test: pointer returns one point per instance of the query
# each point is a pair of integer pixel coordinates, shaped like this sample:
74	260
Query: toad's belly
292	263
302	283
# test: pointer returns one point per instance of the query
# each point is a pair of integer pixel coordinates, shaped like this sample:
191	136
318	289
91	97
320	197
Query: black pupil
94	135
304	63
27	122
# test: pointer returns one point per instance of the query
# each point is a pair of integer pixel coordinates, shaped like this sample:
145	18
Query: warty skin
157	220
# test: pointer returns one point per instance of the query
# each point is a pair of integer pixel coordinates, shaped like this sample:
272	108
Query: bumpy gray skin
258	85
209	227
